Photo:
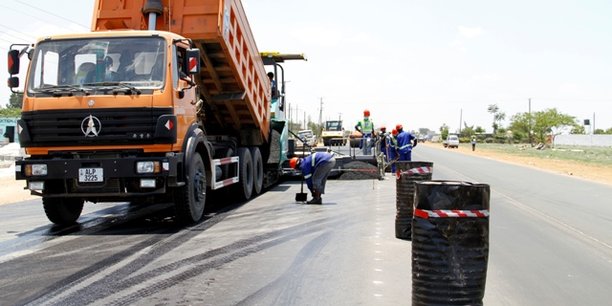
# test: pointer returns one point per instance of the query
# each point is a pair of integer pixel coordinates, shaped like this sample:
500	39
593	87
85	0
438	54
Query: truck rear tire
244	188
63	211
257	170
190	199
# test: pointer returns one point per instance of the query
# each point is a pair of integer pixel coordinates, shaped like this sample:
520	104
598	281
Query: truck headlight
35	169
148	167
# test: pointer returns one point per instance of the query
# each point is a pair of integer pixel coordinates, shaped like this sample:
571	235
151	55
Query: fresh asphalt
550	244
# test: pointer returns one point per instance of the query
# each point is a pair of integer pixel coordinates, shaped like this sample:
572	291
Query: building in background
8	130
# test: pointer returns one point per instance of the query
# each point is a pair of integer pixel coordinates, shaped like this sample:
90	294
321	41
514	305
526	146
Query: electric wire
52	14
28	14
18	32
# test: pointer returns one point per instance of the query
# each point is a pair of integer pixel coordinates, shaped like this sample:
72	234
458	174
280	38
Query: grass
589	155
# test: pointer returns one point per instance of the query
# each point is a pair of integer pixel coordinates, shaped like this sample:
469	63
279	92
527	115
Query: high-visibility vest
367	126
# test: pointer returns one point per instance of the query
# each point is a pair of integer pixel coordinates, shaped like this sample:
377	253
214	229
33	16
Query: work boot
316	198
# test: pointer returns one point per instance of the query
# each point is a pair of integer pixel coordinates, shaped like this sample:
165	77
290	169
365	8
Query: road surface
550	244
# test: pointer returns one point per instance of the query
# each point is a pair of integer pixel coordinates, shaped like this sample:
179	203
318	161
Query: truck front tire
63	211
191	198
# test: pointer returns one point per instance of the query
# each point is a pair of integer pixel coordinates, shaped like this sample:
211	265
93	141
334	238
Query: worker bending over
315	169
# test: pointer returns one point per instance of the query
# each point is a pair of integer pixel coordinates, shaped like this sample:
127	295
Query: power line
52	14
18	32
27	14
11	35
10	42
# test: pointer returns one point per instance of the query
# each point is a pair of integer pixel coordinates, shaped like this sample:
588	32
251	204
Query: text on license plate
91	175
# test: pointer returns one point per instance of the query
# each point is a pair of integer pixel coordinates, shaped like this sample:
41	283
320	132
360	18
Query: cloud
470	33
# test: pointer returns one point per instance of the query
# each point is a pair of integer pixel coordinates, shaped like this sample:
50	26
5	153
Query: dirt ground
12	191
569	168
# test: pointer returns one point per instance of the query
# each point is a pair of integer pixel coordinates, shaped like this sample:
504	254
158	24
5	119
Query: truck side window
177	64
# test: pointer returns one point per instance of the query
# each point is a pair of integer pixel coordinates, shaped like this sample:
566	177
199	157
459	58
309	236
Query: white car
452	141
308	137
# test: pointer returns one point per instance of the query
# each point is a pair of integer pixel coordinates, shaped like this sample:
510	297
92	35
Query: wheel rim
199	184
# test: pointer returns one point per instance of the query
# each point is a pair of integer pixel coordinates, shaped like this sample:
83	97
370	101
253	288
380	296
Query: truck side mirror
13	82
192	61
13	62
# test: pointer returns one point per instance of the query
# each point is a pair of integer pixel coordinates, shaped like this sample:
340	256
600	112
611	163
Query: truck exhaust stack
153	8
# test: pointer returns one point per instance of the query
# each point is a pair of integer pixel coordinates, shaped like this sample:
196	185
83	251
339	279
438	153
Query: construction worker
382	139
405	142
315	169
366	128
392	145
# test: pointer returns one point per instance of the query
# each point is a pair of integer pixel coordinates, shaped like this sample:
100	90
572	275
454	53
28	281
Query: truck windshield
333	125
136	62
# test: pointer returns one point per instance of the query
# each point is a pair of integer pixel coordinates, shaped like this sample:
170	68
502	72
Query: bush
10	112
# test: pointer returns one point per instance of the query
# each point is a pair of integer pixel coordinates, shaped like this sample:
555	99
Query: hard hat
394	132
294	162
383	128
399	127
366	113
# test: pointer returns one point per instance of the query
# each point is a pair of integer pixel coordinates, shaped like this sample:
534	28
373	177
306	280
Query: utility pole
460	120
593	129
530	137
320	131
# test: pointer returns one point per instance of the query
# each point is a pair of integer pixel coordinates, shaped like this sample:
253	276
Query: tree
519	125
424	131
578	129
16	100
497	116
444	131
467	131
479	130
544	123
10	113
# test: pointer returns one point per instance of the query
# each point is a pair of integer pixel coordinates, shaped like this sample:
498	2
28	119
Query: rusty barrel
408	172
450	243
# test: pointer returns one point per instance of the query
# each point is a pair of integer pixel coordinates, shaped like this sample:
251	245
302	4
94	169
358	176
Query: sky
420	63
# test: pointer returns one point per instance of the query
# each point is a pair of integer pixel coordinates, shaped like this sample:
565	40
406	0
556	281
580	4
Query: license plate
91	175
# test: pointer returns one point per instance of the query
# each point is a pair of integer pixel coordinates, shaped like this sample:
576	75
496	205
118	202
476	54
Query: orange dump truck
161	102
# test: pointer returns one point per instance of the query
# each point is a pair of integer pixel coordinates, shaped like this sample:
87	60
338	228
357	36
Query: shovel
301	196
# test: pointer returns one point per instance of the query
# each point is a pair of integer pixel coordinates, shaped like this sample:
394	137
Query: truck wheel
191	198
63	211
257	170
244	188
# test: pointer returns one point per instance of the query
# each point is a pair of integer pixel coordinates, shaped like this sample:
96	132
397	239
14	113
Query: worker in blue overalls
315	168
366	128
392	149
405	142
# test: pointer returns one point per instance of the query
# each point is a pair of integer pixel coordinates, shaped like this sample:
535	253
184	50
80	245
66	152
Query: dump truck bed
232	80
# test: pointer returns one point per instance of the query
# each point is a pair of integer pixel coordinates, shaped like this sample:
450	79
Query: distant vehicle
308	137
452	141
333	134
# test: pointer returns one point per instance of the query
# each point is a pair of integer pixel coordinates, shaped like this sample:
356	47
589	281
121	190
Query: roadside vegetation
601	156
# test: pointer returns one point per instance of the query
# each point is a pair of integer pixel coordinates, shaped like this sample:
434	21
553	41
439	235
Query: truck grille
112	126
